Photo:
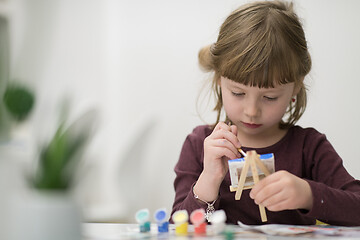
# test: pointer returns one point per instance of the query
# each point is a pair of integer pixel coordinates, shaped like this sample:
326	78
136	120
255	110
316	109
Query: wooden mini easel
252	159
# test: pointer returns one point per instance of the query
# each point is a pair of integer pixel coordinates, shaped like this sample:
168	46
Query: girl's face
256	111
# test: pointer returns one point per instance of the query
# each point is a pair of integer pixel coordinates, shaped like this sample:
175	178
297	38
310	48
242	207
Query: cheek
276	113
231	110
230	106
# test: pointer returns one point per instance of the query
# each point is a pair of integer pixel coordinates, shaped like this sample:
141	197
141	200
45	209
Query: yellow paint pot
180	219
181	229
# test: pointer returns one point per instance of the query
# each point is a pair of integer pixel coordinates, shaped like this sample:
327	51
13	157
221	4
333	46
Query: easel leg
252	159
242	180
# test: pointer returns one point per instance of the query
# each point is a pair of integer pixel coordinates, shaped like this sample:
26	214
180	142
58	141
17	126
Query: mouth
251	125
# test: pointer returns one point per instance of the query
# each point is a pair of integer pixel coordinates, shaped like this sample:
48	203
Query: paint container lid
142	215
218	216
180	216
197	217
160	215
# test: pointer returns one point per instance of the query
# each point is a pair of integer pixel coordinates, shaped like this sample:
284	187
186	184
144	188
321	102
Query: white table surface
117	231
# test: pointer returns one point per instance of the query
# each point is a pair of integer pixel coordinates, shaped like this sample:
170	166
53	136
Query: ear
298	86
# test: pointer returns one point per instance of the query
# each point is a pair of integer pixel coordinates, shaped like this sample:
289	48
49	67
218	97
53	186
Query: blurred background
135	62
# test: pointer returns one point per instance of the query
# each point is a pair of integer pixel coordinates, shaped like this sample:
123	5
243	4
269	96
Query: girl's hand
220	146
282	191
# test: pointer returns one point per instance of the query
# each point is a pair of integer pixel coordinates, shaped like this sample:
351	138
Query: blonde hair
260	44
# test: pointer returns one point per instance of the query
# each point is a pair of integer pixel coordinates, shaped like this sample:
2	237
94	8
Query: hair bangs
262	59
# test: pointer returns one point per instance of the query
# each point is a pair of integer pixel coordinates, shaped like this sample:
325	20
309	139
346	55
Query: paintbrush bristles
242	152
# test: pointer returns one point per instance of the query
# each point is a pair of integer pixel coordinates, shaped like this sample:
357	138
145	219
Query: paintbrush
242	152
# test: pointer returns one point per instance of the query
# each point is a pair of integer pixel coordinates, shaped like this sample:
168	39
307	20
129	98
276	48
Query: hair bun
205	56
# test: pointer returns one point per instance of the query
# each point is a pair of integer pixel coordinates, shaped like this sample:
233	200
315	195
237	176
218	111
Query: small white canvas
236	165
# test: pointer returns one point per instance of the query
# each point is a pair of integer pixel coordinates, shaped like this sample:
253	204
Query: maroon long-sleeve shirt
303	152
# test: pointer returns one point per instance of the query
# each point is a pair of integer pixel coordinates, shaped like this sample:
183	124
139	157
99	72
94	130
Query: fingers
233	129
230	154
265	182
222	125
222	147
222	130
265	189
273	201
276	206
224	140
229	127
281	191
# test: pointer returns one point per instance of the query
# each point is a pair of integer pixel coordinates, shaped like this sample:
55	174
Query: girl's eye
237	94
270	98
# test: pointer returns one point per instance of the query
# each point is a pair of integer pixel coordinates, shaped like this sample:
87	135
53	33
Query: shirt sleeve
187	170
336	194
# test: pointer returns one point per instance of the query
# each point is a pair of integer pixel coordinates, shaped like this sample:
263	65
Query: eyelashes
237	94
265	97
270	98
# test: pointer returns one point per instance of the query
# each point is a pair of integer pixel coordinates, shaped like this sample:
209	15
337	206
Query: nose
252	108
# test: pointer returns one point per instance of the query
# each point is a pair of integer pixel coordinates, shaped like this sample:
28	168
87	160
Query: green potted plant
49	201
59	157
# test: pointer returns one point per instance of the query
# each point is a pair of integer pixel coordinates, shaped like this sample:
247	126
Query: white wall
136	62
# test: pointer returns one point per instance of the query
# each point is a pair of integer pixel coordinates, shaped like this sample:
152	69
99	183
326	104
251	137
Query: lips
251	125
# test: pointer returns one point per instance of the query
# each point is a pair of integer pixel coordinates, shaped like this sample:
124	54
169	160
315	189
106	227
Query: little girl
259	63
